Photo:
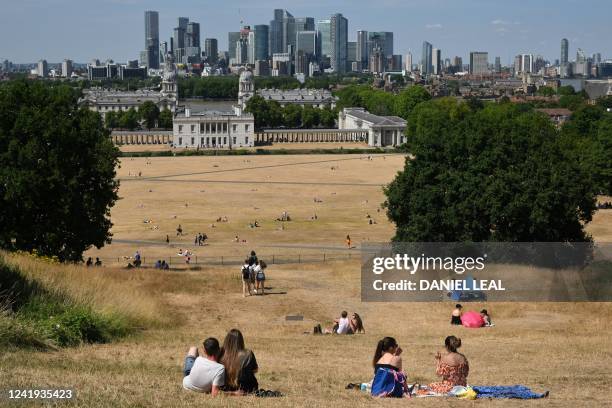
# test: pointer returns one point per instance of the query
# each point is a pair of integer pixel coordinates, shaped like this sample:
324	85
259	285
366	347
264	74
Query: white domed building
246	90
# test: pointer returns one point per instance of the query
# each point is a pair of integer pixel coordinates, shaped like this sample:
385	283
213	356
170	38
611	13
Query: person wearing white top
204	373
343	324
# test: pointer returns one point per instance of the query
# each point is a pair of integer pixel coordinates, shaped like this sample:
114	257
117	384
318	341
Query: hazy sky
86	29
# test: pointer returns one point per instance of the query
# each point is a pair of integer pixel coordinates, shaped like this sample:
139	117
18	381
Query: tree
292	115
111	120
165	119
128	119
328	117
149	113
495	174
545	91
566	90
408	99
310	117
57	172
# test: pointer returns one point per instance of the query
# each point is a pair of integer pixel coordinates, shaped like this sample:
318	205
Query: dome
246	76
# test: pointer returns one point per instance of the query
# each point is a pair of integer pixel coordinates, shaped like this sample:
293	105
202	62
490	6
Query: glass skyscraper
426	59
339	42
152	39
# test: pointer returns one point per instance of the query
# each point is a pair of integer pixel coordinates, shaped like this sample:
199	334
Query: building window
246	140
180	129
234	128
224	127
180	141
246	128
192	128
201	128
213	128
201	141
234	140
192	141
207	141
225	140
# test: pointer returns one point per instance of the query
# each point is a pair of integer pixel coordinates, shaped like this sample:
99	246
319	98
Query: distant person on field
260	277
204	373
137	261
89	262
485	316
179	230
456	314
240	365
348	241
98	262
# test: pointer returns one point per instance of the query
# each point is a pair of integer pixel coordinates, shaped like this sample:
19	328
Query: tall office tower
193	51
182	22
382	40
436	61
497	65
211	49
288	24
564	51
307	43
457	64
339	42
261	35
479	63
351	52
242	51
362	48
426	59
304	24
409	62
67	68
232	38
324	29
597	58
43	68
377	61
163	51
152	39
275	36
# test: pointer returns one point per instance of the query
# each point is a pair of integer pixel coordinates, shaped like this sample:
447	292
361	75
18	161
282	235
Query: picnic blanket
507	391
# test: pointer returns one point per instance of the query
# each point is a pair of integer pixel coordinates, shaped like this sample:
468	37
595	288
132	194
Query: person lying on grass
204	373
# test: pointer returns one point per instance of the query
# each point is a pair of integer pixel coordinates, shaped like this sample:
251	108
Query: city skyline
113	28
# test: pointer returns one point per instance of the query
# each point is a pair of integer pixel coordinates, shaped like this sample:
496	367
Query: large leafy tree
494	174
165	119
409	98
149	113
57	172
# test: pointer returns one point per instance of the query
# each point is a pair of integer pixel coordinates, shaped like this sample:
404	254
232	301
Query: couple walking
253	276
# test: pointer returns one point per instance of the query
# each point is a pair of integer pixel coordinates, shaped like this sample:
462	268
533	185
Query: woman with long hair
389	379
451	365
240	364
356	324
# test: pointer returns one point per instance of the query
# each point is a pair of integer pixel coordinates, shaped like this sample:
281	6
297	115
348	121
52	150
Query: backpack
246	272
389	383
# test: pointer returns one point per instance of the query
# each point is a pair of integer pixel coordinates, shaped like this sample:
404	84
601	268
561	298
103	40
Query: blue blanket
510	391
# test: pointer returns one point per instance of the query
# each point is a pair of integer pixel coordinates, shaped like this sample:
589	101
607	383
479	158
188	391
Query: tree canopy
57	172
497	173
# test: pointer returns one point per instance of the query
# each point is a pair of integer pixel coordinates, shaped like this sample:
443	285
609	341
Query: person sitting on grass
341	325
355	324
204	373
451	365
389	379
487	319
240	365
456	315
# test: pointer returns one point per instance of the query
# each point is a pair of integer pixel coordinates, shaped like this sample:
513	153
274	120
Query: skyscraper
426	59
192	42
409	62
152	39
497	65
211	49
43	68
479	63
275	36
436	61
261	34
324	29
67	68
382	40
564	52
339	42
232	38
306	42
362	48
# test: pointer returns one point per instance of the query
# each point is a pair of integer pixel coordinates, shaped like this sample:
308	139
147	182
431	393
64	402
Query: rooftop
366	116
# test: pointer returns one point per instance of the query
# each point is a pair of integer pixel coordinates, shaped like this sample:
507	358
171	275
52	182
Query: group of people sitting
391	381
343	325
457	314
230	368
253	276
161	264
90	262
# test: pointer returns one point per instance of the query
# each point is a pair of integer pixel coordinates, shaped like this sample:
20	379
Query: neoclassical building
110	100
382	130
219	130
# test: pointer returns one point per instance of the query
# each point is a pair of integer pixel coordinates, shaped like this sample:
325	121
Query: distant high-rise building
426	59
479	63
457	64
409	62
261	35
275	36
193	51
524	63
362	48
597	58
211	49
152	39
324	30
67	68
182	22
6	66
339	42
307	43
498	65
564	51
382	40
377	61
436	61
351	52
43	68
394	62
232	38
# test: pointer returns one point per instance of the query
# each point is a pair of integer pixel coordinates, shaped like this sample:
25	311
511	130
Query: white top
343	325
204	374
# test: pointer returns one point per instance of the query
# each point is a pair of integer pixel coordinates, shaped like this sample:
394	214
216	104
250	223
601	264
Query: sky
85	29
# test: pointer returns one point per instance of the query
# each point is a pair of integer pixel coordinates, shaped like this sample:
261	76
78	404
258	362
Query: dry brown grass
562	347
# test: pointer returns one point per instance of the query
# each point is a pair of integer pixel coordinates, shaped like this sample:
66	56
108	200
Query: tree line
270	114
148	115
